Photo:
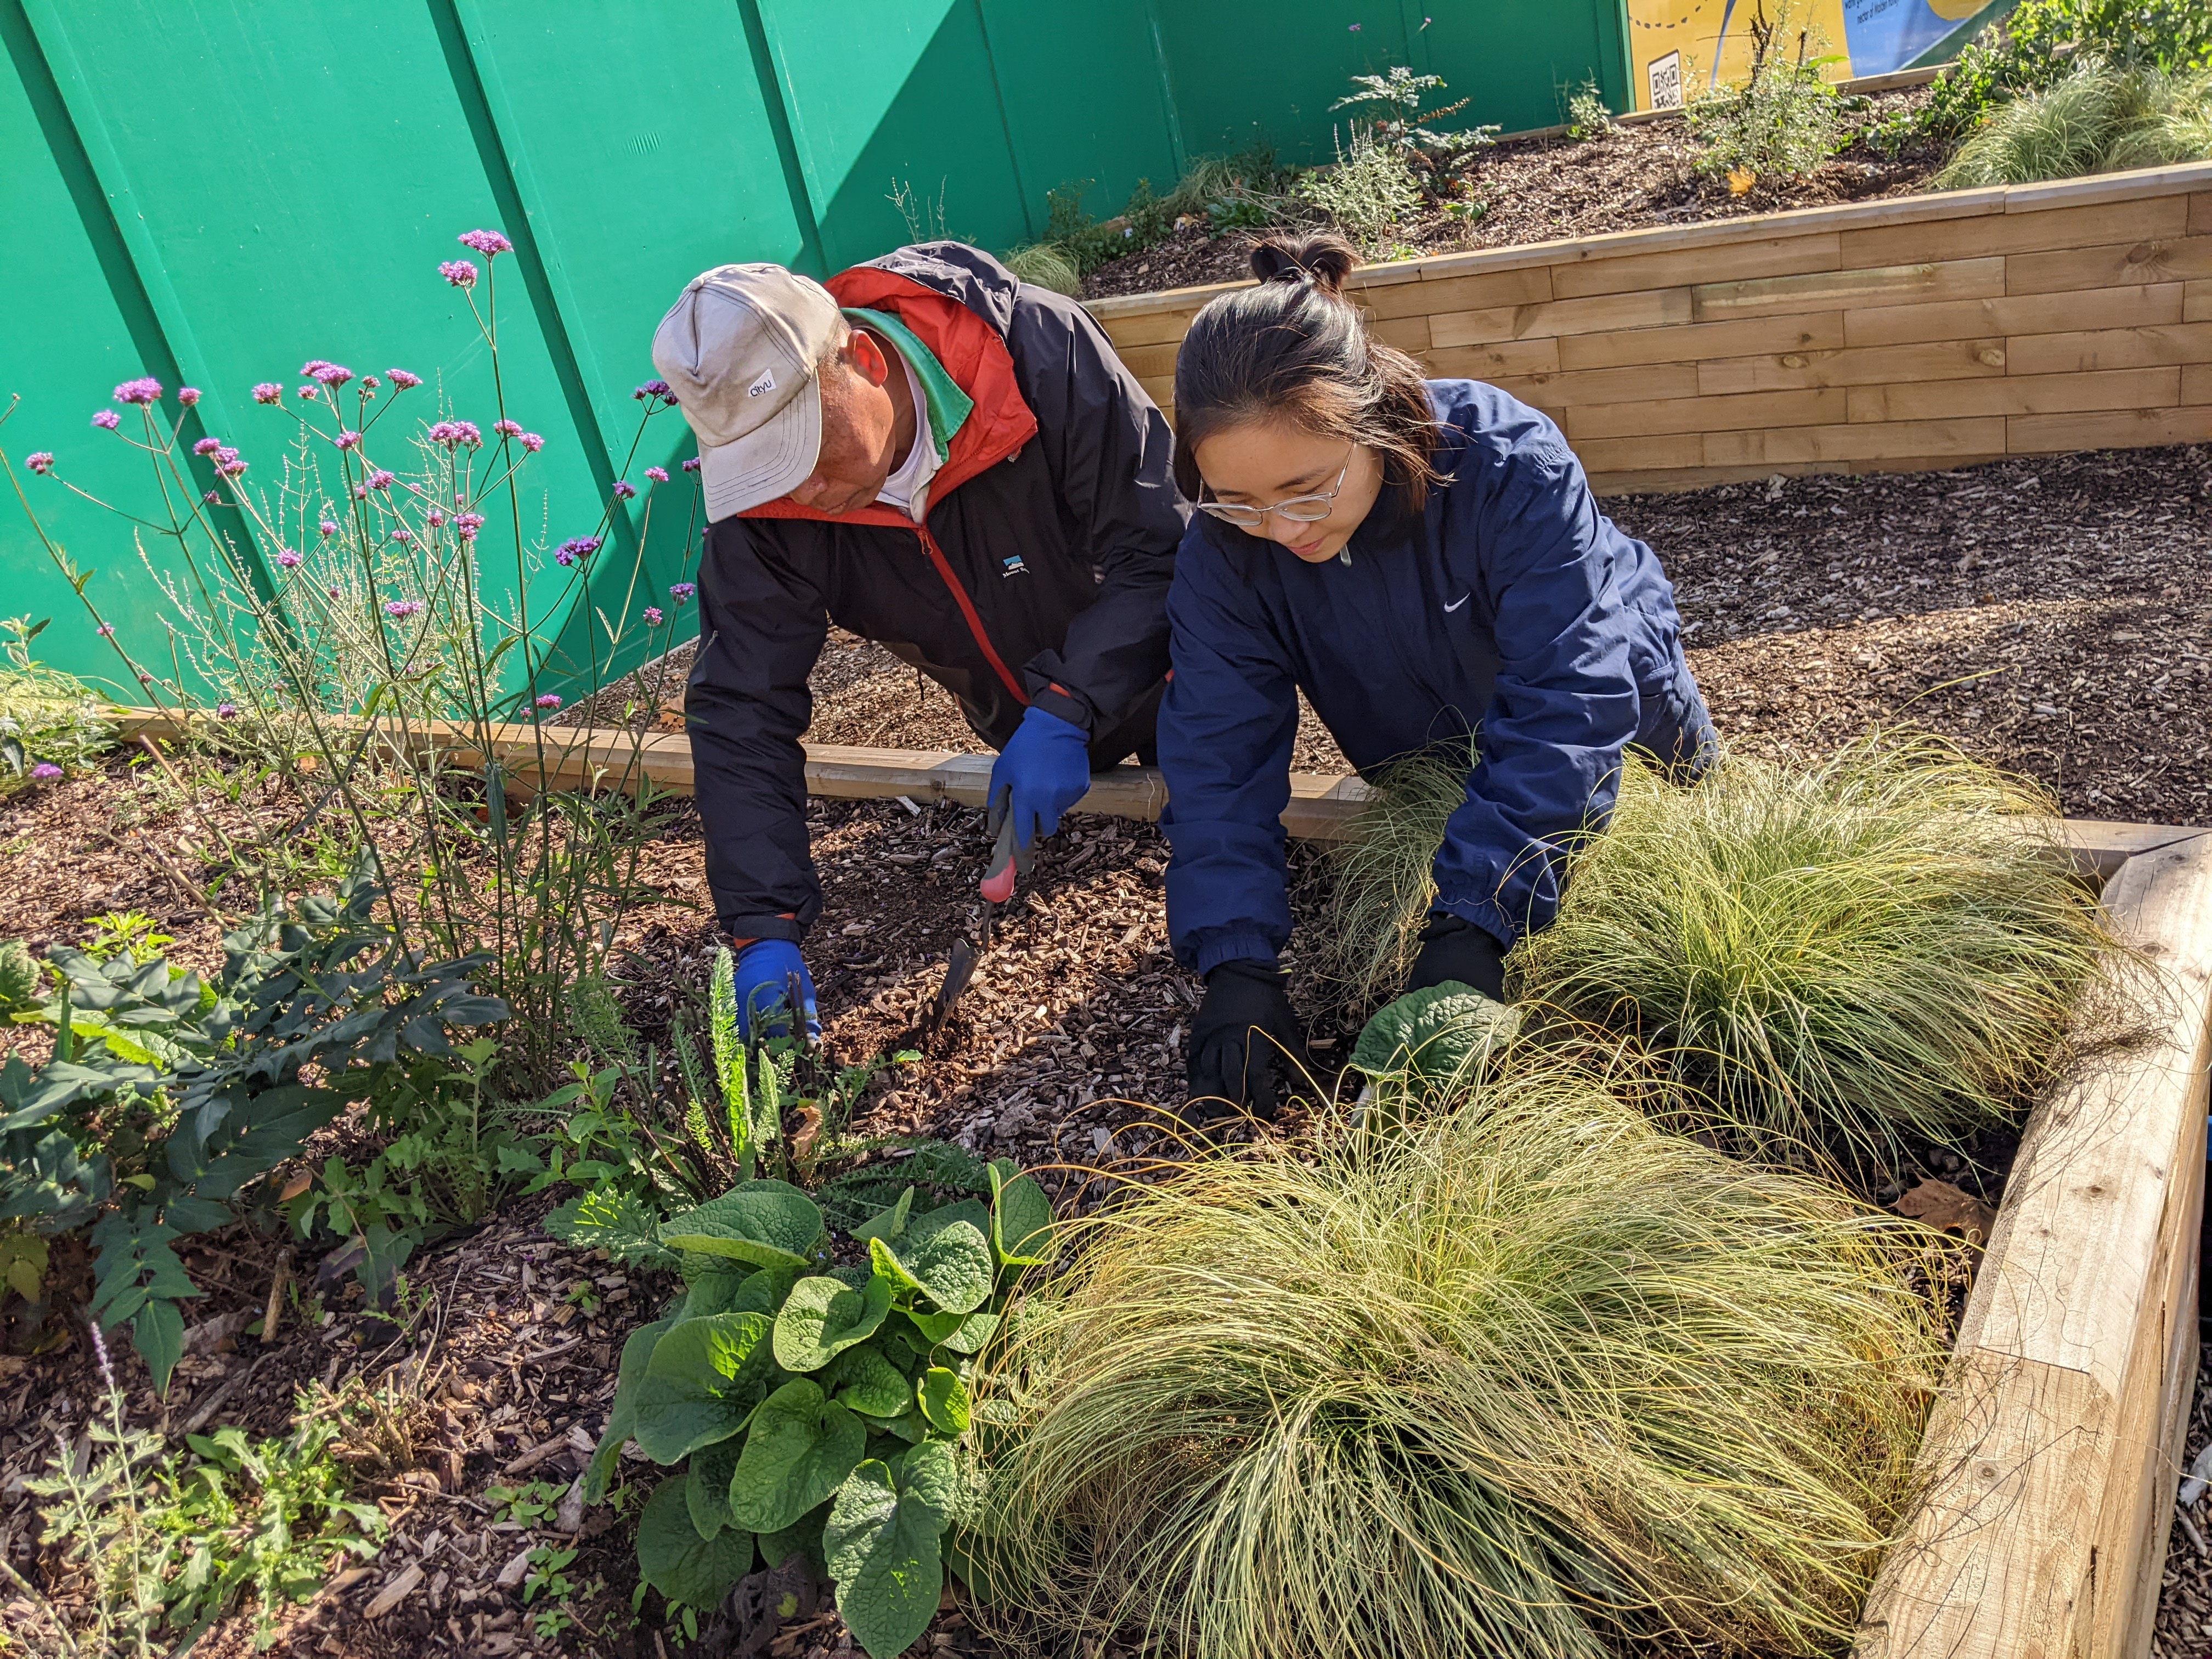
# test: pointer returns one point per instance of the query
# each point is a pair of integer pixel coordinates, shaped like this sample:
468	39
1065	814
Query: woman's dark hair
1294	349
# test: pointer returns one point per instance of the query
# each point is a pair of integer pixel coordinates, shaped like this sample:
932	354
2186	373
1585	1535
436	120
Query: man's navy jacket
1512	606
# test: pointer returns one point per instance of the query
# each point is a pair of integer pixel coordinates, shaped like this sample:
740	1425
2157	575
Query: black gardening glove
1245	1045
1452	948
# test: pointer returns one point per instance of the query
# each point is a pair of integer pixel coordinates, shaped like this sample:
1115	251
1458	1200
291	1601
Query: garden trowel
1008	861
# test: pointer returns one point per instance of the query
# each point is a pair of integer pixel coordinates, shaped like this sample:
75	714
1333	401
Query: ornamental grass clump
1823	959
1530	1377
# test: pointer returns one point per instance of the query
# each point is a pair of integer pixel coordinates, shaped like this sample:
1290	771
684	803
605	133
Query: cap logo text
766	383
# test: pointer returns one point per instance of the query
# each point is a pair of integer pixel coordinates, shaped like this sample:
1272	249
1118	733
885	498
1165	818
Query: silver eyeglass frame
1327	498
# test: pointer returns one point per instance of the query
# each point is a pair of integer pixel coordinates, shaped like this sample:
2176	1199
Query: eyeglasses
1298	510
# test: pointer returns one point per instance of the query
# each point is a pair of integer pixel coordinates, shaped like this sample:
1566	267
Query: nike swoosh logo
1460	601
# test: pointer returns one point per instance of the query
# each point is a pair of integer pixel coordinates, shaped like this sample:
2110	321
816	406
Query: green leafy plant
2099	117
1588	116
1531	1379
47	718
1400	124
1246	190
1368	193
1820	958
818	1409
1048	265
1431	1039
166	1096
1781	121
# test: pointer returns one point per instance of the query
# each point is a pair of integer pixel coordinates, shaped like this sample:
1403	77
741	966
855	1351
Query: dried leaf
1949	1210
1741	180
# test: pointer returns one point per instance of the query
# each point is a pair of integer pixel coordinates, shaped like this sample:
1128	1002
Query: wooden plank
2196	383
1164	327
2017	394
1641	454
1986	234
1151	362
1606	386
2197	303
1871	288
1783	255
2081	351
2138	306
2200	213
1408	334
1755	409
1488	362
1866	441
1649	308
2144	260
1935	360
1529	285
2050	1462
2042	434
1685	343
1671	481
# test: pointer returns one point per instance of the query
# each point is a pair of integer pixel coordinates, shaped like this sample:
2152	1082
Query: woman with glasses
1425	560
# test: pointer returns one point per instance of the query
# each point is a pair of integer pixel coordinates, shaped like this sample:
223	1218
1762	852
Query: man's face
860	424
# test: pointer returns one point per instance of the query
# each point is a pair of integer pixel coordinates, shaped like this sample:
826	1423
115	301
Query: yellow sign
1682	49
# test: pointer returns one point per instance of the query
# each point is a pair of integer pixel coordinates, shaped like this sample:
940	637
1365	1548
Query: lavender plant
371	625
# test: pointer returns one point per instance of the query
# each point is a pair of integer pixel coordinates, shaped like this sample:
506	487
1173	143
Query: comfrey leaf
676	1561
944	1399
889	1222
863	1380
801	1447
961	1333
946	1255
882	1542
704	1380
771	1223
821	1317
1021	1219
622	1417
1429	1037
706	1485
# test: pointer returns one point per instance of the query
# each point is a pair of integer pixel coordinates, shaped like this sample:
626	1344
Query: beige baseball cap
739	349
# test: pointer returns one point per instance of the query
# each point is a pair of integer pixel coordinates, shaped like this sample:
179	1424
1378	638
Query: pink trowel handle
998	883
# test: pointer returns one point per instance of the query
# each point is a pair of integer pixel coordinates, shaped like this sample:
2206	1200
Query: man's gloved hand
762	982
1452	948
1245	1044
1044	770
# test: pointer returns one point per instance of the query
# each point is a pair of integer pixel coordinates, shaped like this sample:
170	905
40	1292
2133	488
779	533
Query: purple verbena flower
333	375
227	463
108	420
268	393
212	498
361	492
453	434
288	559
657	474
45	771
369	383
547	700
652	615
683	591
207	446
403	535
624	490
489	243
226	711
40	461
142	390
145	678
691	465
653	389
531	442
403	380
380	479
577	547
507	428
404	608
105	630
188	395
347	439
460	272
332	592
308	393
328	527
436	517
465	524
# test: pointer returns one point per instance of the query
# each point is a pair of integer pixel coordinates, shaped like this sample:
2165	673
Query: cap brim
768	462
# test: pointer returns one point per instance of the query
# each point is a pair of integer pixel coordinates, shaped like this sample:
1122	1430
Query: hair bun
1318	257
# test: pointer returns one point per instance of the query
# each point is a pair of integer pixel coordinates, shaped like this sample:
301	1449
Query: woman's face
1260	464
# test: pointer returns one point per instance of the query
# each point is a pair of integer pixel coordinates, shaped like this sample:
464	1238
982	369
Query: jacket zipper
968	610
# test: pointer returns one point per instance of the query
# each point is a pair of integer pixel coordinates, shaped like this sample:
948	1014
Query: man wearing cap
935	456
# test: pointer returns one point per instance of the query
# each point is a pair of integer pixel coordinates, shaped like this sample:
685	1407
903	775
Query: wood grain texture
2050	1462
2127	306
2018	394
1876	287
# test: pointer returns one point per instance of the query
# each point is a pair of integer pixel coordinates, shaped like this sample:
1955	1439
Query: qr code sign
1666	78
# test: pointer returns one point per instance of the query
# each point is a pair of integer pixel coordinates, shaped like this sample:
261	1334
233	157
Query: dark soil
2075	587
1542	190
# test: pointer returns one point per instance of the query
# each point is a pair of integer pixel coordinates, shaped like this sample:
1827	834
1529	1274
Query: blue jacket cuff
1486	913
1233	945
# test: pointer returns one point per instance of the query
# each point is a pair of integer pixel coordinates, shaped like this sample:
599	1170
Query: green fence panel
287	180
67	343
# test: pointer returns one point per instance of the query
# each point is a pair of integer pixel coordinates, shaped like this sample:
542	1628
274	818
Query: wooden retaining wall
1923	331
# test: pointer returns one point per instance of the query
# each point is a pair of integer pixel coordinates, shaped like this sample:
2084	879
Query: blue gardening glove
1044	770
762	982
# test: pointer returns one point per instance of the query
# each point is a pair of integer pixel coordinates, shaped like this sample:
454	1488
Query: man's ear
866	358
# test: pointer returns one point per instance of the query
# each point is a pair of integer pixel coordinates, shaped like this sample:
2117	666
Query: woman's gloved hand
1044	770
765	969
1246	1047
1452	948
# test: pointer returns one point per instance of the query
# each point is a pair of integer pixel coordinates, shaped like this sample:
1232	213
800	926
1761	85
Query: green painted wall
214	193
